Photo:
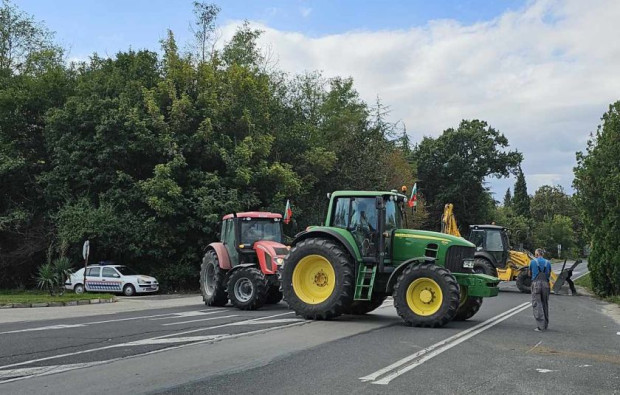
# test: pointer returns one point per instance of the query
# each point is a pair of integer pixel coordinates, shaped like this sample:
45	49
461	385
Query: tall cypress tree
521	200
507	198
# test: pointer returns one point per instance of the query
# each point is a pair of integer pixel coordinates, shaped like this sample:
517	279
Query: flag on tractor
413	200
288	213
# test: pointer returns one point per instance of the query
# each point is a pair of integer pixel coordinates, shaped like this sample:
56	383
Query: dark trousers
540	301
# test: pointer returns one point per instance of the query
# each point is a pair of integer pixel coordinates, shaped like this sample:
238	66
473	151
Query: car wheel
78	289
129	290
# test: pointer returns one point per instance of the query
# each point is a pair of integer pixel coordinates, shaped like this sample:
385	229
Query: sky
542	72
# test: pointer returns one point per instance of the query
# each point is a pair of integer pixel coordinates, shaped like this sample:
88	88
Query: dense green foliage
597	181
521	200
452	169
143	153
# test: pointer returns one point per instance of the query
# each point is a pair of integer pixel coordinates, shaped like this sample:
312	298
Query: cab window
494	241
109	272
342	215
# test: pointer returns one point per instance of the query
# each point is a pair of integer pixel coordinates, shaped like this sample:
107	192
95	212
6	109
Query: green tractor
362	255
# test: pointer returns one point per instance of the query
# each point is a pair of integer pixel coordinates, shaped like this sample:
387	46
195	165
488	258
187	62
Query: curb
58	304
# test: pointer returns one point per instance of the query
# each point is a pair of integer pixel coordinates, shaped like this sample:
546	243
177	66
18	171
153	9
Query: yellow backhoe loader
493	254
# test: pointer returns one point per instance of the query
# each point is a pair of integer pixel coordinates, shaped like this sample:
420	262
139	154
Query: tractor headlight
468	263
279	261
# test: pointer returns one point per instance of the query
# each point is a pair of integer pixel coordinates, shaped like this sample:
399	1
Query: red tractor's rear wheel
247	288
212	278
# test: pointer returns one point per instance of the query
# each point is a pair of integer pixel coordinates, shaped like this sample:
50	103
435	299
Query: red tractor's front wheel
247	288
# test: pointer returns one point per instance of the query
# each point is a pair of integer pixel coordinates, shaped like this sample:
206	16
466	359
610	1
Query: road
195	349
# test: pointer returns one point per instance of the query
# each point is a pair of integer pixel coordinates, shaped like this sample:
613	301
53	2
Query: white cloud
305	11
542	75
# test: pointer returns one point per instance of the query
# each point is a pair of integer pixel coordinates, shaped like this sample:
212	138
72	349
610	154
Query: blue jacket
540	264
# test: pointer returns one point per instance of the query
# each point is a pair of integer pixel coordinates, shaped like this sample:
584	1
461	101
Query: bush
182	277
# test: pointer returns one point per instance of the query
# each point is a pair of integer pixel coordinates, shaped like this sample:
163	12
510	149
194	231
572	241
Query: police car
111	279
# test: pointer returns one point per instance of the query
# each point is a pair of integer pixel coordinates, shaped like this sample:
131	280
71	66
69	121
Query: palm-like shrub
47	278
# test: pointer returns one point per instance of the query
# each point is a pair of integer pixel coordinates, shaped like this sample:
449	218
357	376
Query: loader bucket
564	274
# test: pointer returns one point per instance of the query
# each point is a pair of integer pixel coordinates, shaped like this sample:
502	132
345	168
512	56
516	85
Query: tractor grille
455	256
281	251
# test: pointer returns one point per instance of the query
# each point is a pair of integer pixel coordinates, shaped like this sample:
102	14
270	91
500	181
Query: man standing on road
541	271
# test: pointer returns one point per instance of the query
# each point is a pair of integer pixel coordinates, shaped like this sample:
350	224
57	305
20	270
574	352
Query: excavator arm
448	222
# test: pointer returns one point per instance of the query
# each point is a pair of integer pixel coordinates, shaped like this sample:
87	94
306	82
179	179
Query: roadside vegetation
586	282
34	296
144	151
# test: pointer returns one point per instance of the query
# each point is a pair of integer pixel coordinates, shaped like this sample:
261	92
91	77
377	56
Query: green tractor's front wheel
426	295
468	305
317	279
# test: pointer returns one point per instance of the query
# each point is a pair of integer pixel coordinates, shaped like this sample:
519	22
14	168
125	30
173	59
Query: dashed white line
200	320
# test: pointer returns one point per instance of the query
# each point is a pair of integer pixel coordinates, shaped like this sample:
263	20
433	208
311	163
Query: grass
586	282
32	296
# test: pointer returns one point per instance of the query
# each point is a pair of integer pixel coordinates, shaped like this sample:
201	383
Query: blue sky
542	72
108	26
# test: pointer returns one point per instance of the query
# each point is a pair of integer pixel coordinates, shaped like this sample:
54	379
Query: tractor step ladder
365	282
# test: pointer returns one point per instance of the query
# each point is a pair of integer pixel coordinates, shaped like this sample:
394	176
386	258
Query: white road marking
579	276
43	328
6	376
545	370
280	321
147	342
163	337
78	366
200	320
189	314
537	344
422	356
584	366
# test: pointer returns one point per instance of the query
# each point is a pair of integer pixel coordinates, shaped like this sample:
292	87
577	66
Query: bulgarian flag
288	213
413	201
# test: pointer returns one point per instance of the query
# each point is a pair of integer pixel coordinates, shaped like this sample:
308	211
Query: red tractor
243	265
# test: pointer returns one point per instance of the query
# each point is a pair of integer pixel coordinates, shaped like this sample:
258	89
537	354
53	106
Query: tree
521	200
452	169
549	201
597	195
507	198
204	29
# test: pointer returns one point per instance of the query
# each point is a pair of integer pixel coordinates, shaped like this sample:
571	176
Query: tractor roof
254	214
366	193
488	227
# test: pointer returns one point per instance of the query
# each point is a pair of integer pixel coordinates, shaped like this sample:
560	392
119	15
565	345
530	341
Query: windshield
393	216
253	230
126	271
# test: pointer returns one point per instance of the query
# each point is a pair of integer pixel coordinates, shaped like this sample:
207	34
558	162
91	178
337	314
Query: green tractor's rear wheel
468	305
317	279
212	281
426	295
361	307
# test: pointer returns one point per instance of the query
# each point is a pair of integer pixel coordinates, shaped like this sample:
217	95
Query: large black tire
361	307
442	281
212	281
483	266
468	305
273	295
330	254
247	288
524	282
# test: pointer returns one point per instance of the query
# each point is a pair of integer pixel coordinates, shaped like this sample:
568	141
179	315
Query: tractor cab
491	241
242	233
369	219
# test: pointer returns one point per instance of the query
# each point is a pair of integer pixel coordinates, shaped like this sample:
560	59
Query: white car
111	279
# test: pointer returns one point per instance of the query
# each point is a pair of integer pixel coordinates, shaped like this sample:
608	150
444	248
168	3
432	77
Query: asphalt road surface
196	349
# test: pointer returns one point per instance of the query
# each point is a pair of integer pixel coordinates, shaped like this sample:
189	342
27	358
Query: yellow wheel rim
314	279
463	295
424	296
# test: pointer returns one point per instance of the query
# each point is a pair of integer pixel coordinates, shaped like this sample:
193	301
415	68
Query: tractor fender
222	254
394	276
331	234
487	256
241	266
